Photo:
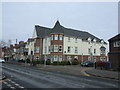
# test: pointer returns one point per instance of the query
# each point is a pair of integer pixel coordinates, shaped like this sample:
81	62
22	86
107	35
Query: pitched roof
59	29
117	37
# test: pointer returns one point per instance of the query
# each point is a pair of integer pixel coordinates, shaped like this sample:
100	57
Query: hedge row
48	62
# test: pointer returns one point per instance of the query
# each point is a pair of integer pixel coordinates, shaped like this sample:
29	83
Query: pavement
78	70
104	73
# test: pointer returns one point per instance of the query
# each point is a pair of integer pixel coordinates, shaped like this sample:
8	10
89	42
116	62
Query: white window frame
55	48
55	58
60	58
94	51
76	40
52	48
76	49
89	51
68	39
45	49
55	37
49	48
37	49
68	58
116	44
60	37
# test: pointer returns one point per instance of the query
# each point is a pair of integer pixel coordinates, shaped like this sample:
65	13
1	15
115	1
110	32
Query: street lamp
45	49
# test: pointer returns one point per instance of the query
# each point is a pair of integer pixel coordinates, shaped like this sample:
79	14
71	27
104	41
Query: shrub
75	62
55	63
48	62
28	60
37	61
63	63
42	62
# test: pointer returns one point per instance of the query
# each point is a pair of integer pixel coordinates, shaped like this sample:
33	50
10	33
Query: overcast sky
97	18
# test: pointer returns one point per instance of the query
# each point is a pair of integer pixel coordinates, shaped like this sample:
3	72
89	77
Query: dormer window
94	40
75	40
102	41
68	39
89	40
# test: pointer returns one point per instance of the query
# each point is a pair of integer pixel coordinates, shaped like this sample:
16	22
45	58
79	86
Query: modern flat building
61	43
114	54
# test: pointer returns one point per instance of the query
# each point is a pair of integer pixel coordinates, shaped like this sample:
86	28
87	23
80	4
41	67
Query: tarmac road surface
30	77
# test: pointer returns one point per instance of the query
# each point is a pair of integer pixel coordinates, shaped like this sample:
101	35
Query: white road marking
21	87
9	85
5	82
17	84
12	87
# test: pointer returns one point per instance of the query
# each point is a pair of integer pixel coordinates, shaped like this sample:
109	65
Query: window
56	37
68	58
49	49
68	49
75	40
60	37
55	48
52	37
60	58
31	52
55	58
68	39
76	49
52	49
37	49
116	44
94	51
60	48
45	49
89	50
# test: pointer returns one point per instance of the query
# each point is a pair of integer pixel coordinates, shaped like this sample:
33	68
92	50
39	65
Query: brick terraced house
114	54
60	43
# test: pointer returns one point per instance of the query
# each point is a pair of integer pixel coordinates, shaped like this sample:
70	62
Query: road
31	77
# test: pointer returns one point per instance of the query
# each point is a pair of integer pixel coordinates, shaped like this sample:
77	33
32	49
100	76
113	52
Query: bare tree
2	43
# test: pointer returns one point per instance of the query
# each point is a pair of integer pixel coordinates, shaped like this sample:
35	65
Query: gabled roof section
57	28
117	37
42	31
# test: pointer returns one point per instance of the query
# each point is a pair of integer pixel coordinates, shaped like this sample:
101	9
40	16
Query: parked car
87	63
2	60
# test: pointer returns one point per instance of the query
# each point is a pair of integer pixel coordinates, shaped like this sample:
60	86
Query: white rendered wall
46	43
30	47
82	46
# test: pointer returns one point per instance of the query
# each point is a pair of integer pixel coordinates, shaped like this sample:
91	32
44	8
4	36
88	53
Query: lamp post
45	50
82	57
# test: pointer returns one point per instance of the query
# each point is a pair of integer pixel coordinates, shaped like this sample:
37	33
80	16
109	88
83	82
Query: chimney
21	42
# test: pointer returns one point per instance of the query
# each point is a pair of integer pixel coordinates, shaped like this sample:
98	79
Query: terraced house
61	43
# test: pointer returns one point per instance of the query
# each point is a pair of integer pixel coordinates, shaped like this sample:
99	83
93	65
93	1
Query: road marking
9	85
12	87
5	82
21	87
16	84
84	73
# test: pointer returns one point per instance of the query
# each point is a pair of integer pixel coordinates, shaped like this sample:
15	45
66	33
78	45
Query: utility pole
45	49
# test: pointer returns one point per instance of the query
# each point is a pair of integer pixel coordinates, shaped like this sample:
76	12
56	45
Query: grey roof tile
59	29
